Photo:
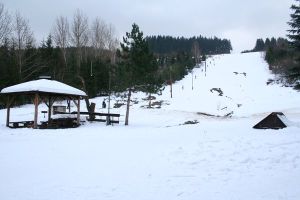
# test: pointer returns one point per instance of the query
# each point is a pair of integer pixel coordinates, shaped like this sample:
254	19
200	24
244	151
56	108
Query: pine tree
294	23
260	45
139	64
267	43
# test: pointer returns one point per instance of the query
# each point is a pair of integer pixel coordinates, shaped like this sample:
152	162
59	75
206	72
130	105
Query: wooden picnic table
112	117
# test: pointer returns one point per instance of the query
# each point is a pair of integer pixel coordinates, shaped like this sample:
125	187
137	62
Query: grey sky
240	21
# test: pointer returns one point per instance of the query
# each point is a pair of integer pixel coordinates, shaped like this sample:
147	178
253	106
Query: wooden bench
112	117
21	124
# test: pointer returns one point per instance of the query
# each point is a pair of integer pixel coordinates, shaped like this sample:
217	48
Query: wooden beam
36	108
74	101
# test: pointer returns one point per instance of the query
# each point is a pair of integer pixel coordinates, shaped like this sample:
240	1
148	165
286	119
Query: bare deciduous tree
103	37
5	23
98	36
111	42
79	38
61	35
196	52
111	38
79	34
22	39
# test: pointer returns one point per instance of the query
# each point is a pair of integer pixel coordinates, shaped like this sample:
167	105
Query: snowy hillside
158	156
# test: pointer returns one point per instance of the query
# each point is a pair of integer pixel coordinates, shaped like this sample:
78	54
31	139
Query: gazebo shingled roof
46	90
43	85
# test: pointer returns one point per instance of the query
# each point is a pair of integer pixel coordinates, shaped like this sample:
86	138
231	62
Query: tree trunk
128	106
87	101
149	106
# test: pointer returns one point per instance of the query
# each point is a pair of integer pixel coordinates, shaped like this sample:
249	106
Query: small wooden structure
42	90
272	121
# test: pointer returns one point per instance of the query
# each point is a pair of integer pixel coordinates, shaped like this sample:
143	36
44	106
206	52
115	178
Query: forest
87	54
284	57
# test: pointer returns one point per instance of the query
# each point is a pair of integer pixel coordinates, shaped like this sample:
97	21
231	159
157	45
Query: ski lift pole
109	82
91	68
205	67
109	93
192	80
171	92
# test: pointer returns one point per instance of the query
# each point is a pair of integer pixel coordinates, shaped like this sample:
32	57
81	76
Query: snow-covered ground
156	156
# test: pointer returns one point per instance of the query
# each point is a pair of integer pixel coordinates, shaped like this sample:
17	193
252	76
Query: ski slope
157	156
243	81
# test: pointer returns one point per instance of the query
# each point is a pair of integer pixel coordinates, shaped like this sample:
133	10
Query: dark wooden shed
43	90
272	121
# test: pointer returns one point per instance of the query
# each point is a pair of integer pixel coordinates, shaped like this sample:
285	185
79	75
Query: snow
44	85
156	156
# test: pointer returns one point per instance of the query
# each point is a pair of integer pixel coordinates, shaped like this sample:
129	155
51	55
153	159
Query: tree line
75	52
168	45
264	45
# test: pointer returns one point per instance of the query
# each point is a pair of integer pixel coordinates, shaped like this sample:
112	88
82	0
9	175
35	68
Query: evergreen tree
260	45
267	43
139	64
273	42
170	45
294	35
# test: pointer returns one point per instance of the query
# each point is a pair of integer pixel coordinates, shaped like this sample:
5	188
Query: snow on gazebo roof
43	85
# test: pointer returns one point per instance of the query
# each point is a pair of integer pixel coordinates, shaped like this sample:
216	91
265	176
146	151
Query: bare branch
22	38
61	35
79	34
5	23
61	32
98	35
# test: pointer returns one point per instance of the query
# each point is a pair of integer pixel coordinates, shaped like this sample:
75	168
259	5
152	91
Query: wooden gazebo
43	90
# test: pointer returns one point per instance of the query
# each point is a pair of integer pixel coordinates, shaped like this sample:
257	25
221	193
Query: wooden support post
36	107
8	112
78	112
49	109
9	103
7	116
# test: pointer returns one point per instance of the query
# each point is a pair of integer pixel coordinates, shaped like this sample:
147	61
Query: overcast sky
241	21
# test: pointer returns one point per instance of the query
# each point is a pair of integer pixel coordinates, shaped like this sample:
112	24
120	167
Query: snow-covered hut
43	90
